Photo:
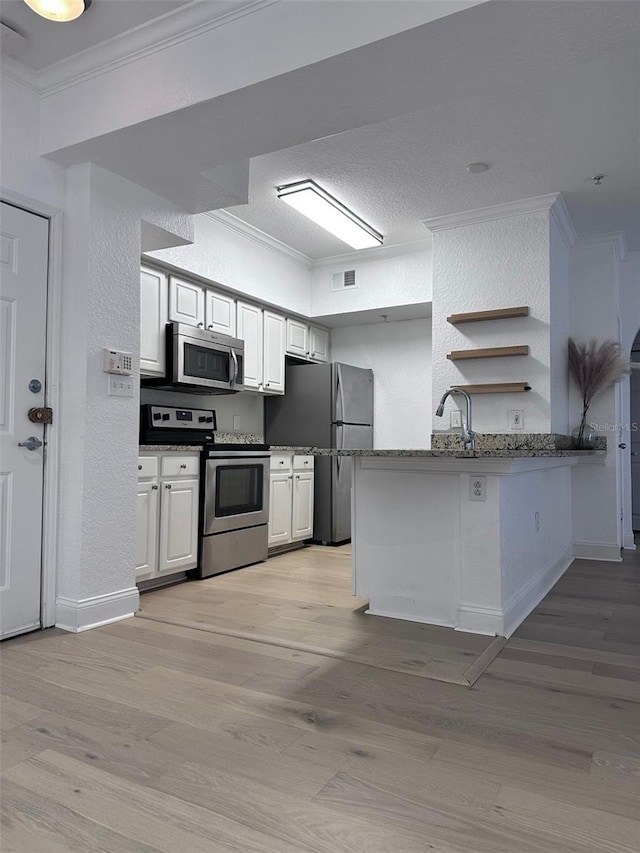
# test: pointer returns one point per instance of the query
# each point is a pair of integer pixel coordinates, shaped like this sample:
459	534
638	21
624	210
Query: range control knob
202	419
166	417
209	420
156	416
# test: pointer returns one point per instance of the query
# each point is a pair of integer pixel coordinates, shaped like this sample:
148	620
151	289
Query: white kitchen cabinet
263	334
153	320
146	530
291	498
167	514
318	344
220	312
178	525
305	341
249	328
186	302
273	352
297	338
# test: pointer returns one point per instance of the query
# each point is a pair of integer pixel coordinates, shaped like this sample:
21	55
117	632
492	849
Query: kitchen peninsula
466	539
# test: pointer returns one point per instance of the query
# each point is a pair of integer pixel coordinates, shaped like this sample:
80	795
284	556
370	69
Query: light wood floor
304	600
145	736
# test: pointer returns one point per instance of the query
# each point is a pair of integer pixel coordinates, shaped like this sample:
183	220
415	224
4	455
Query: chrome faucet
468	434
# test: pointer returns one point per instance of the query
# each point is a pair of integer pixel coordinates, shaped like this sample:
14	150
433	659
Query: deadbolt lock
40	415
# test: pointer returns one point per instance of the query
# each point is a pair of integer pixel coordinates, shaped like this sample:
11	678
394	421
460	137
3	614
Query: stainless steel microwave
200	362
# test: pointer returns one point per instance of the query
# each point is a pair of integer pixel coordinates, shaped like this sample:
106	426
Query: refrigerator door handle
340	395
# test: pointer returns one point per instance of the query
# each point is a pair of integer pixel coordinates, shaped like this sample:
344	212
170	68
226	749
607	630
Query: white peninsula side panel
423	550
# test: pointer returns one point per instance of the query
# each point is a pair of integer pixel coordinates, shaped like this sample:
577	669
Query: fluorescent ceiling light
330	214
59	10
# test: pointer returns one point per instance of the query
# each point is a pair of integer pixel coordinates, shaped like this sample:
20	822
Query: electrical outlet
477	488
516	419
236	421
455	418
537	521
120	386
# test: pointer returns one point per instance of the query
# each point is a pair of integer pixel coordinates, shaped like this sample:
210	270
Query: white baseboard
520	605
480	620
597	551
628	542
390	613
87	613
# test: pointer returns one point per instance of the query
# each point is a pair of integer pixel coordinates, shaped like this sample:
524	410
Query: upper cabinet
318	343
153	319
268	336
220	312
186	302
263	333
306	341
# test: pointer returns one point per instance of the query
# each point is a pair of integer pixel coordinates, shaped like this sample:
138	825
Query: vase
584	438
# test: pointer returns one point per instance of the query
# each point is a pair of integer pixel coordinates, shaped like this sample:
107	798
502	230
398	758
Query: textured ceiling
549	132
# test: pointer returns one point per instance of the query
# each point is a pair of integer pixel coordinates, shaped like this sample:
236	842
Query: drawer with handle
302	463
179	466
147	466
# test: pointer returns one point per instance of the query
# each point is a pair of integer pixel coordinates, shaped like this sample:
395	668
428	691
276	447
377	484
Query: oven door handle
234	370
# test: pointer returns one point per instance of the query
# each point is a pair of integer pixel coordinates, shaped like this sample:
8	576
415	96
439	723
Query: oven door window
205	363
238	489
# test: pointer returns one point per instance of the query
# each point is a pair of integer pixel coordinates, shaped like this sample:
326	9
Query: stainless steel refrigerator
325	405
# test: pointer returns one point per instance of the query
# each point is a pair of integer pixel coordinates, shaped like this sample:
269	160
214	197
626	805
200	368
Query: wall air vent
344	280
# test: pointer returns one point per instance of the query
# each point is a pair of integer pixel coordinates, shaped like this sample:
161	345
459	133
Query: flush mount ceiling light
477	168
59	10
326	211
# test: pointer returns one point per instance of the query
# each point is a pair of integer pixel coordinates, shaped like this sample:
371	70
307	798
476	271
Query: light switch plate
120	386
236	421
456	418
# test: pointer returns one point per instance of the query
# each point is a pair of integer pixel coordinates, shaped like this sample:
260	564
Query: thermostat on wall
118	362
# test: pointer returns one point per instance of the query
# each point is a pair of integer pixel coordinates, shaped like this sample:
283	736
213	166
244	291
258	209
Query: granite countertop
505	453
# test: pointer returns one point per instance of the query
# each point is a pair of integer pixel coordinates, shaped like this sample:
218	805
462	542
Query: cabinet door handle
267	385
167	485
183	465
155	488
312	354
200	325
297	476
139	467
210	326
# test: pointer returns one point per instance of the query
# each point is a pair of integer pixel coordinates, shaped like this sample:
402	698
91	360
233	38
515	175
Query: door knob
622	446
32	443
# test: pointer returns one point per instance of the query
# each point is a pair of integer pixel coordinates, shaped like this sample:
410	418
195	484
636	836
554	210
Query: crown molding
20	74
158	34
563	221
375	254
496	211
616	239
239	226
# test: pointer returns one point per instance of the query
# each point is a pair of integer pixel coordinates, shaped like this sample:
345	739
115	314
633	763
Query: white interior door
635	447
24	250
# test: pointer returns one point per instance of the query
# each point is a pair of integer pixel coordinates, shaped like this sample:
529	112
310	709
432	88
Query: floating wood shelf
495	314
487	352
496	388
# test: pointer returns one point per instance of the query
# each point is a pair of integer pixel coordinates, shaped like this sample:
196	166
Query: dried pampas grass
594	367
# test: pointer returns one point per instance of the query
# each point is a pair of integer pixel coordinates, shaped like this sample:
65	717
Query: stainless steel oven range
234	487
235	508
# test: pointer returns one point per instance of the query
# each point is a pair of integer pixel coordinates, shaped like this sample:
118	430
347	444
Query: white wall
495	263
98	433
22	170
559	261
220	253
594	313
400	356
403	279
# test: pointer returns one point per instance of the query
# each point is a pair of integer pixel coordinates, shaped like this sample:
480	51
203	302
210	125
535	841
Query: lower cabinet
290	498
166	514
